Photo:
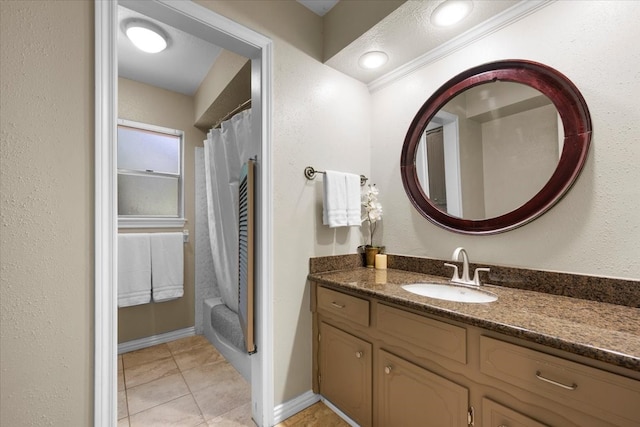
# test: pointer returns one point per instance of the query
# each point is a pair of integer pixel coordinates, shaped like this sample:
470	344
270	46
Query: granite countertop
606	332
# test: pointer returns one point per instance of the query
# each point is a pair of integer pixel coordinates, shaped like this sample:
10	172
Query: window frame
151	221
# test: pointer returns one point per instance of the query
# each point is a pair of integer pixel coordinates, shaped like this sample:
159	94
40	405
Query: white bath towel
134	269
353	199
167	266
341	203
334	213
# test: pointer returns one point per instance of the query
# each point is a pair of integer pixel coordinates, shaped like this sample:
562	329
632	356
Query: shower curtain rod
231	113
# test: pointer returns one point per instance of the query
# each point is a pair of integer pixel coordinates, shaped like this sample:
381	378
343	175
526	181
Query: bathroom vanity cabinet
385	364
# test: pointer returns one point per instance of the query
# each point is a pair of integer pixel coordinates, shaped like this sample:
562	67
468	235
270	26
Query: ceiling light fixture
373	59
146	36
451	12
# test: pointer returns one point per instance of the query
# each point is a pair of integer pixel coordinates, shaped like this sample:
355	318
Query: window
150	183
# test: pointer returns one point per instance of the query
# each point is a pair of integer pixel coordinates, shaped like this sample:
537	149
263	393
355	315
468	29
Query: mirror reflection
489	150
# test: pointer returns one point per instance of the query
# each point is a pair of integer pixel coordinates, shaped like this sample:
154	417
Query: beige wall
320	118
47	196
223	70
147	104
340	28
46	211
520	155
595	228
472	185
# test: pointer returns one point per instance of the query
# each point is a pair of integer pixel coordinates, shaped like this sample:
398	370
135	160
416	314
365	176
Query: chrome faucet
465	279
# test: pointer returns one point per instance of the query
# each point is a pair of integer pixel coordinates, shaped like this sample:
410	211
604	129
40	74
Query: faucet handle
456	275
476	275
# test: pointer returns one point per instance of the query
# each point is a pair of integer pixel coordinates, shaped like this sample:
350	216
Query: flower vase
370	253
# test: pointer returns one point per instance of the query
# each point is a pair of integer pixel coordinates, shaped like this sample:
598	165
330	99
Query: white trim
151	222
302	402
133	345
293	406
229	35
264	382
341	414
509	16
451	144
150	127
105	227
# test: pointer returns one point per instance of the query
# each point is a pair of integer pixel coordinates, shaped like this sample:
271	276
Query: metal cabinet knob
387	370
359	354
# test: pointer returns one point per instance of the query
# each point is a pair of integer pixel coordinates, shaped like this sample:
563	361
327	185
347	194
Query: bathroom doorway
207	25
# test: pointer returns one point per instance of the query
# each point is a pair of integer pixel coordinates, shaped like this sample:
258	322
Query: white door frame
229	35
451	136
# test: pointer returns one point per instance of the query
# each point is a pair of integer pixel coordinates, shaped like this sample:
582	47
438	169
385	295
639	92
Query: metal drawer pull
336	305
359	354
556	383
387	370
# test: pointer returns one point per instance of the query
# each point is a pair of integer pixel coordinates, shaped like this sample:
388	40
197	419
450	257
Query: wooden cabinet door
345	372
409	395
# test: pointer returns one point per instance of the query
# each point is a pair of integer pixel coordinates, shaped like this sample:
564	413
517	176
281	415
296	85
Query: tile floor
187	383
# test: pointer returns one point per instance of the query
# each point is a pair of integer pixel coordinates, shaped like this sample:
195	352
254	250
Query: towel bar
310	173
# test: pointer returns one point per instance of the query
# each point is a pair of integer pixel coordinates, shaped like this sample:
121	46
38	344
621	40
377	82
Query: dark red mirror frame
576	120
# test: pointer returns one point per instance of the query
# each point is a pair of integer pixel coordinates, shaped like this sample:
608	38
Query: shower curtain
225	151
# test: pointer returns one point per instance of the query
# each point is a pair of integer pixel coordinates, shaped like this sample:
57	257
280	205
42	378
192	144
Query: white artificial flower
372	209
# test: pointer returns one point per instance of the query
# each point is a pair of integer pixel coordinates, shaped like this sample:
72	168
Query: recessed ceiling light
451	12
373	59
146	36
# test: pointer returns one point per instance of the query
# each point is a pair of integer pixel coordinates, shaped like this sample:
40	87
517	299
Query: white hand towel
167	266
353	199
134	269
334	213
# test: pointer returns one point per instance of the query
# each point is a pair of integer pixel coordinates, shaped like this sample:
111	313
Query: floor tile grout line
181	372
155	406
189	388
160	404
148	363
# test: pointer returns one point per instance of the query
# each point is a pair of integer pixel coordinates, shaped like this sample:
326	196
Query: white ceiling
319	7
406	34
181	67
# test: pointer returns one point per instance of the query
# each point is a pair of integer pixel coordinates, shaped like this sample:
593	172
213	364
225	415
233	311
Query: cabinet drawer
344	306
431	335
496	415
595	392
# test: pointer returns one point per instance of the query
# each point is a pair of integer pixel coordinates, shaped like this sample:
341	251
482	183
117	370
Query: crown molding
476	33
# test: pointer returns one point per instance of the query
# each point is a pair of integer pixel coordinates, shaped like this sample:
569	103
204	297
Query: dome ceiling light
451	12
373	59
146	36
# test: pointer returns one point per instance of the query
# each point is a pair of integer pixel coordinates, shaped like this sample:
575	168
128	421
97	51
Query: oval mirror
495	147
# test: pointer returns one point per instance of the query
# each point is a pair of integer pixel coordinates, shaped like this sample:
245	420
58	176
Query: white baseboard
302	402
128	346
291	407
339	412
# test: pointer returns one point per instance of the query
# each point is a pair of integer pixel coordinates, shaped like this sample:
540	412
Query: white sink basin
450	292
